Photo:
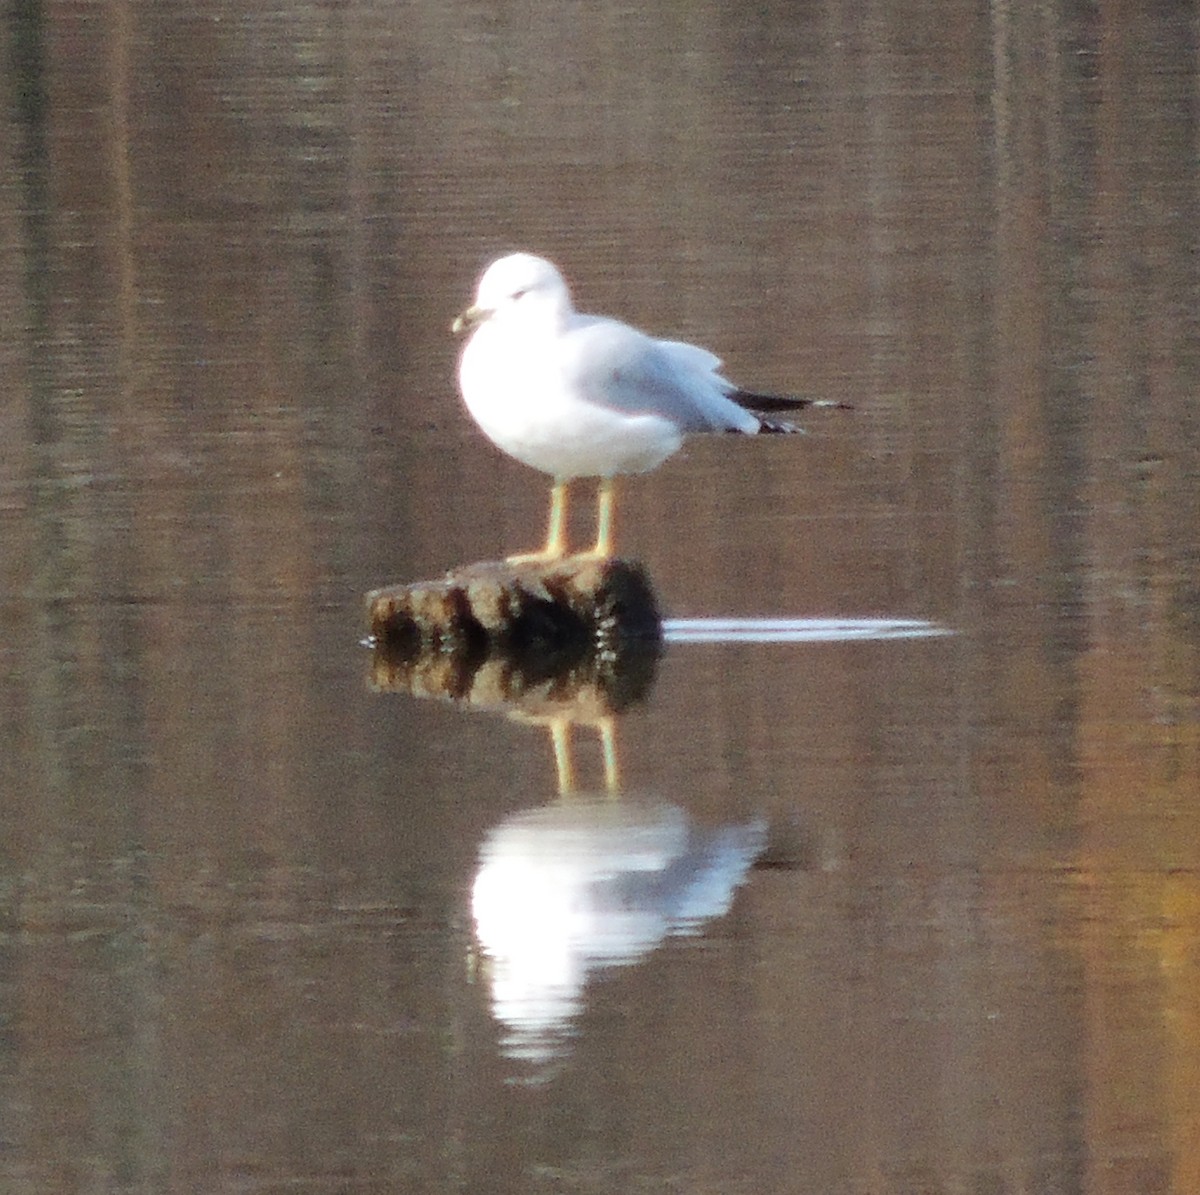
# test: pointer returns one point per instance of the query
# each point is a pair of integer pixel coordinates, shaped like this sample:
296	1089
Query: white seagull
585	396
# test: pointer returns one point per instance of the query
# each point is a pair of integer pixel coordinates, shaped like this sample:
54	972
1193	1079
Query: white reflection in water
587	884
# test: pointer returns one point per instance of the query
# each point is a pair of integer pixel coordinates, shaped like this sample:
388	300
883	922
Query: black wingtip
752	400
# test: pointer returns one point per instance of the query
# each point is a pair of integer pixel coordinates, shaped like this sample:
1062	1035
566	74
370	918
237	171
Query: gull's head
518	287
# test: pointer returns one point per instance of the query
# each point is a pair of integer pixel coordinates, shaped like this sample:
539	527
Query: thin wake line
796	630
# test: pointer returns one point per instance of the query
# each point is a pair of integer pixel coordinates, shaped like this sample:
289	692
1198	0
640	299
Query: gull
579	395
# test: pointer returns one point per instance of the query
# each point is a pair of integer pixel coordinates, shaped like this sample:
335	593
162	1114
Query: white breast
515	391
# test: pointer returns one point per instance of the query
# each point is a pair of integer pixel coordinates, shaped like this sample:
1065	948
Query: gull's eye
520	294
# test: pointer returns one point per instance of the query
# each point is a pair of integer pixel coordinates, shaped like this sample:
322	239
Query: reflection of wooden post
566	607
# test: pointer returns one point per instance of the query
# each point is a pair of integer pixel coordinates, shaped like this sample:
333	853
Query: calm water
843	916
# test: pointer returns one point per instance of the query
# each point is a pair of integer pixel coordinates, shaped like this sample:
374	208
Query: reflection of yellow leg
556	539
564	764
560	733
606	497
608	744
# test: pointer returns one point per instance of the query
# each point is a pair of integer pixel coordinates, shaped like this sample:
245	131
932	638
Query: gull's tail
757	403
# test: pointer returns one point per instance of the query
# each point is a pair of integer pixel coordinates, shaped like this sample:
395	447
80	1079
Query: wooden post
568	605
520	634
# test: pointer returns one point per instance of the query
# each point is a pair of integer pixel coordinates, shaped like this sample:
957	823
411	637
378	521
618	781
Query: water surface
851	915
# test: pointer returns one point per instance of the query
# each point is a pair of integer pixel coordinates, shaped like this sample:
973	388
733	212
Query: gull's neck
553	314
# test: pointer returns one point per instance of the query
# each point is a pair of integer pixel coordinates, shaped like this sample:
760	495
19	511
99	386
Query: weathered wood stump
499	633
514	609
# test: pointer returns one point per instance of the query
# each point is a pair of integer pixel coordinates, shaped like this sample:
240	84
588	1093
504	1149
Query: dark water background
238	949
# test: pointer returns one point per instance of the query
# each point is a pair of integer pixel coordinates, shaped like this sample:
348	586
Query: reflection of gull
584	396
577	887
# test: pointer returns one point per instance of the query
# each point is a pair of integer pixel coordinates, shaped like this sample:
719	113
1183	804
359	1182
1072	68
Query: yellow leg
556	539
606	498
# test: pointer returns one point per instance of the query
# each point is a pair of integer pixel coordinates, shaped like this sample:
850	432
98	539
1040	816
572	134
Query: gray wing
616	366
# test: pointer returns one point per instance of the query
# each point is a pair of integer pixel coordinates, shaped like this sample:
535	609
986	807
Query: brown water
876	916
